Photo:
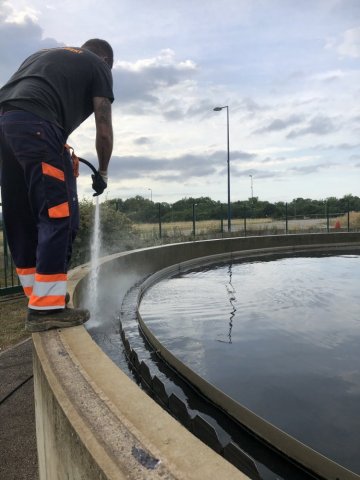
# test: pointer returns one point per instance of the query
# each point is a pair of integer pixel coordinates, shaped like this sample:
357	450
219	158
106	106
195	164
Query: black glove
99	183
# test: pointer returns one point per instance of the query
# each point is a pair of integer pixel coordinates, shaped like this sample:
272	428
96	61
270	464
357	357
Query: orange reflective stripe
52	171
59	211
56	277
49	301
25	271
28	291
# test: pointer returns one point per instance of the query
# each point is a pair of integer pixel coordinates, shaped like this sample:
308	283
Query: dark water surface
281	337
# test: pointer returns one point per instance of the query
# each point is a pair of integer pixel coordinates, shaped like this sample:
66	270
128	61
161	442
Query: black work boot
41	320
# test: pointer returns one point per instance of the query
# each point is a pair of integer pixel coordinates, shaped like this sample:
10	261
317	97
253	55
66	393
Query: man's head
101	48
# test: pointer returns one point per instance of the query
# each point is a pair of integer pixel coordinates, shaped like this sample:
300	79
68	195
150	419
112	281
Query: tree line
139	209
119	217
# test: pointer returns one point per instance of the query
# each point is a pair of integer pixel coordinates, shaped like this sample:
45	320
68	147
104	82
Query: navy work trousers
40	205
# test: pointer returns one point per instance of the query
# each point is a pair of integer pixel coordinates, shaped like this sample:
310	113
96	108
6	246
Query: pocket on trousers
55	191
24	138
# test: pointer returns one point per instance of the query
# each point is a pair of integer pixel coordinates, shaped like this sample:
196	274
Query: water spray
92	300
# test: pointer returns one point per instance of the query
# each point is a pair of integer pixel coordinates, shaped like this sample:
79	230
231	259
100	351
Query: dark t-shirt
59	85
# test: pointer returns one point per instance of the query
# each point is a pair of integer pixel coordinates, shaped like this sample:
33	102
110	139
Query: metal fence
9	281
248	225
197	229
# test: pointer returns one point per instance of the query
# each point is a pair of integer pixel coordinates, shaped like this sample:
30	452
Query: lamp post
252	196
194	218
150	193
217	109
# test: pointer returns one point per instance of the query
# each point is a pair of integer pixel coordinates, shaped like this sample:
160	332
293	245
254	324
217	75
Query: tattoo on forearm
104	111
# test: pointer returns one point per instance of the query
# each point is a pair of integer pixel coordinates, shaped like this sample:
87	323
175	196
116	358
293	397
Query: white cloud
329	76
278	124
290	101
350	43
144	80
166	58
319	125
19	16
20	35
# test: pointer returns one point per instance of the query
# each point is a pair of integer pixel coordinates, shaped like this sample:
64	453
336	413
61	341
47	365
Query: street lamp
252	196
217	109
150	193
252	190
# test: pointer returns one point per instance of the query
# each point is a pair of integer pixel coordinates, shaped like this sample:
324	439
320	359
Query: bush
117	232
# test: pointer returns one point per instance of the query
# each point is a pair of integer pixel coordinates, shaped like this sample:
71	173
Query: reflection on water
231	293
281	337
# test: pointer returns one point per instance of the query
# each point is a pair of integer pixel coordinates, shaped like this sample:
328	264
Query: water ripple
279	336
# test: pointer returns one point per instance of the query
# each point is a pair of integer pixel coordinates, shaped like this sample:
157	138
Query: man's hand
99	182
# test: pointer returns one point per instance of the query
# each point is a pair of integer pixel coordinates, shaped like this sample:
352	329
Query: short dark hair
101	48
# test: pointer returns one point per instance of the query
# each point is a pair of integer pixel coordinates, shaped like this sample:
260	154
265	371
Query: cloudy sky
289	72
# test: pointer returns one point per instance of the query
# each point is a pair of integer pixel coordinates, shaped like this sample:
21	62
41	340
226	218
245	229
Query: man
49	96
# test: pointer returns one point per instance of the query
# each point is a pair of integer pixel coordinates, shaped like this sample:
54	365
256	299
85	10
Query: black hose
2	400
82	160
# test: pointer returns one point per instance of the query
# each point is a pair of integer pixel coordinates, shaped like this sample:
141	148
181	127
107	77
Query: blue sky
289	72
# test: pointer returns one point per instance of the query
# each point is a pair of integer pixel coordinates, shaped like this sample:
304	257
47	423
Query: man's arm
104	132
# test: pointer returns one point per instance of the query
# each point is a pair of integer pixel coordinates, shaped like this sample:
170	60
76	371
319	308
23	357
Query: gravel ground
17	433
17	414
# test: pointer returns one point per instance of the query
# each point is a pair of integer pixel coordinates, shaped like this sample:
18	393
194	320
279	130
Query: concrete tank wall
92	421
